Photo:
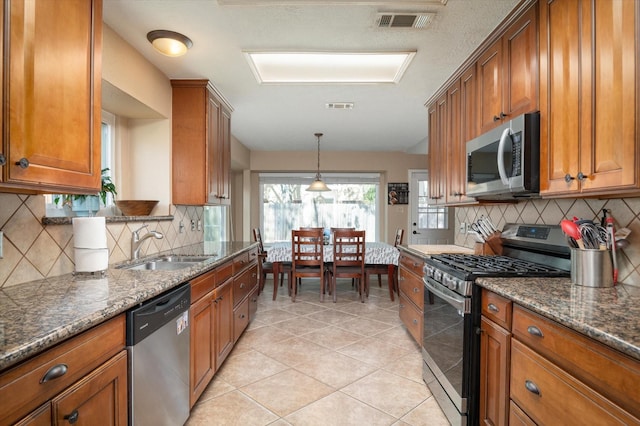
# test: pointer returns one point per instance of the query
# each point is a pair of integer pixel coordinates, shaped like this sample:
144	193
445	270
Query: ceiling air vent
340	105
404	20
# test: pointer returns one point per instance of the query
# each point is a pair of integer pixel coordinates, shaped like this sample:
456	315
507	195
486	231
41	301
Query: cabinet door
224	322
433	148
203	361
560	125
213	150
437	153
39	417
610	145
224	152
520	65
489	68
495	347
99	398
53	73
453	147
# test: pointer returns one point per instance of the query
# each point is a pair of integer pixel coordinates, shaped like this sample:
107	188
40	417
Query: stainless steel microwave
504	163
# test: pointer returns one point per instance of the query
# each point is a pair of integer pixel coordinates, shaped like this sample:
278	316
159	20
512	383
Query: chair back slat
399	236
257	236
348	248
307	248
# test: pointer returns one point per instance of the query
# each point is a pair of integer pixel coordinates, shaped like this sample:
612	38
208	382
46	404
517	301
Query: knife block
491	247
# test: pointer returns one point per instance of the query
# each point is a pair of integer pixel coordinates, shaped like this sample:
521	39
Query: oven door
449	347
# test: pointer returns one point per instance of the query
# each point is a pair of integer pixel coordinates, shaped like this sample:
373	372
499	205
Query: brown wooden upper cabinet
588	97
52	57
437	151
507	74
201	144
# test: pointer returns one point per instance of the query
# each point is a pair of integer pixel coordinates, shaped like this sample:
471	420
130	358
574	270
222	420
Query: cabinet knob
568	178
3	160
54	372
532	387
496	118
23	163
416	289
493	308
415	321
581	176
241	285
73	417
535	331
242	316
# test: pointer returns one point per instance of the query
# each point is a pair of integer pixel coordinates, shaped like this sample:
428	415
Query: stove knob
437	275
428	271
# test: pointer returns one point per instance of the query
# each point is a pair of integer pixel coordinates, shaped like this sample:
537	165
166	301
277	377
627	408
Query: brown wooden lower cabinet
411	294
218	318
537	371
83	378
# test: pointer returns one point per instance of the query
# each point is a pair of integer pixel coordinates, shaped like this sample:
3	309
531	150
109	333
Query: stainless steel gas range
451	340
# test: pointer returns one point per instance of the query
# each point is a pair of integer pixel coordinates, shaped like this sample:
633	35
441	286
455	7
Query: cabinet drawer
244	283
253	303
24	387
551	396
202	285
411	263
517	417
240	319
224	272
609	372
411	317
412	287
497	309
240	262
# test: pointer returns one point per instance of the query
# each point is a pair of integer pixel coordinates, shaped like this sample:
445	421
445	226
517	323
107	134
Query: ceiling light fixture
318	185
329	67
169	43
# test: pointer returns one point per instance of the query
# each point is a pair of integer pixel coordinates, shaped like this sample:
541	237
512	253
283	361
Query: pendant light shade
318	185
169	43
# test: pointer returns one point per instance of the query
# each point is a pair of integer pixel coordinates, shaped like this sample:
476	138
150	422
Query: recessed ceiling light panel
329	67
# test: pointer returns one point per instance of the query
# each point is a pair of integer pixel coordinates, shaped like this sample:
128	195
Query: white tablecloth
375	253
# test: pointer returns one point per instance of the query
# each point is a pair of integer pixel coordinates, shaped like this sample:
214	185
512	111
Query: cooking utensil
614	256
572	230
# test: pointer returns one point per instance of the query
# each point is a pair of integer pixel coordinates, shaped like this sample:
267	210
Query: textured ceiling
284	117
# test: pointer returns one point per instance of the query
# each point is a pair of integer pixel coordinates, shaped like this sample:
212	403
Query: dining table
376	253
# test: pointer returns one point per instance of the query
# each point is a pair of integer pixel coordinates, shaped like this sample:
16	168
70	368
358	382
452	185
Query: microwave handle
501	170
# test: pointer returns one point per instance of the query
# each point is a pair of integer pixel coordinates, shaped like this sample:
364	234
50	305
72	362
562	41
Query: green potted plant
86	205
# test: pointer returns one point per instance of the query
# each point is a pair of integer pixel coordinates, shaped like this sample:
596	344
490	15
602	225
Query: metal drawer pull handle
493	308
416	289
73	417
241	316
415	321
532	387
54	372
241	285
535	331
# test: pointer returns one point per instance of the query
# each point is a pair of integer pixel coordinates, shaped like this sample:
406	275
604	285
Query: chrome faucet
136	241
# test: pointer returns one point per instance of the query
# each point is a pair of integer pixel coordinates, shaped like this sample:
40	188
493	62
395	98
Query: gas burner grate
497	265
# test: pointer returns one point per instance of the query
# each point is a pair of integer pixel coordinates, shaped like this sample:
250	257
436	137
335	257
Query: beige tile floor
321	363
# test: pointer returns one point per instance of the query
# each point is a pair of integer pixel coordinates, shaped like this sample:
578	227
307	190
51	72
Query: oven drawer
412	287
548	395
411	263
411	318
582	357
497	309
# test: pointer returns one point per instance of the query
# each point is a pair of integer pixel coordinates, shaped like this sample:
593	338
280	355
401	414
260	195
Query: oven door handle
455	300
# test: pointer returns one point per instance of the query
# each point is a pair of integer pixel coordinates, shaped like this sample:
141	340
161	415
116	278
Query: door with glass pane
428	224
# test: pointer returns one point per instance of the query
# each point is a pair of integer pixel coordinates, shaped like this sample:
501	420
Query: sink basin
167	263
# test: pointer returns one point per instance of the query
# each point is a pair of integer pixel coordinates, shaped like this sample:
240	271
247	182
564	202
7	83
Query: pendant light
318	185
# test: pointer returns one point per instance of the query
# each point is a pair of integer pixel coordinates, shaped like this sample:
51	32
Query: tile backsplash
625	211
34	251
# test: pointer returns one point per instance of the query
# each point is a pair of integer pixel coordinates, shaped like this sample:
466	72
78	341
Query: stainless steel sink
167	263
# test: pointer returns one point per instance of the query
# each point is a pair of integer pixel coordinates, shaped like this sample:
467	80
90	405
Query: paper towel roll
91	260
89	232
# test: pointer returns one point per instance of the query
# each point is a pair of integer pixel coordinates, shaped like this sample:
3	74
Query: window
430	217
286	205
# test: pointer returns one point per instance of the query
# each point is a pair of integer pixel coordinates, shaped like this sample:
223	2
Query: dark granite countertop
37	315
609	315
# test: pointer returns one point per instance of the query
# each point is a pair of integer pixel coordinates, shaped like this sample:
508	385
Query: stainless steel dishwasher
158	343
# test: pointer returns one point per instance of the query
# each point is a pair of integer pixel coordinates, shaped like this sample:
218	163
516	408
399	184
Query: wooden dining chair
348	260
265	267
390	270
307	259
